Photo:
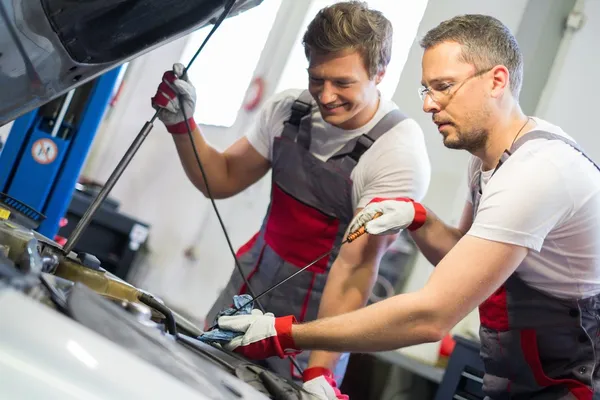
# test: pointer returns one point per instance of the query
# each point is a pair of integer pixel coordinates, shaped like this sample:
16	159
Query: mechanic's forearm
213	162
403	320
347	289
435	239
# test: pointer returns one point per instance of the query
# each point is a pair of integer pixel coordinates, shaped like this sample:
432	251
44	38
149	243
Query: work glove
264	335
319	382
167	99
397	214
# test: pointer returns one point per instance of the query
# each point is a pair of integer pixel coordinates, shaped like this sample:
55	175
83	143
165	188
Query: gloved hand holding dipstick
389	216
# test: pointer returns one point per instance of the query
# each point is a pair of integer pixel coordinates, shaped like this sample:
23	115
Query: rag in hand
223	336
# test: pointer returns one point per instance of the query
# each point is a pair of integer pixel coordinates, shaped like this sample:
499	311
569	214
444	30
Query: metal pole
110	183
63	111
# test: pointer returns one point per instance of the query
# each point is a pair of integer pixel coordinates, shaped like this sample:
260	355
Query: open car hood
48	47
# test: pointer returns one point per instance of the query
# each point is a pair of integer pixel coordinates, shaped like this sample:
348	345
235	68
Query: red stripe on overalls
293	372
529	347
299	233
243	250
247	246
493	313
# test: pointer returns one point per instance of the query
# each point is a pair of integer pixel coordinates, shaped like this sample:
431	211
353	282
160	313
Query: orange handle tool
361	231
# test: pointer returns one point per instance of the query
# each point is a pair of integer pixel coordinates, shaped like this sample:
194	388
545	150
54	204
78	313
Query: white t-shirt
396	165
546	197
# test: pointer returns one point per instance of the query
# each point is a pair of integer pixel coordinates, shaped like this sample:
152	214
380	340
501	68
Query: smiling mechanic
332	149
527	250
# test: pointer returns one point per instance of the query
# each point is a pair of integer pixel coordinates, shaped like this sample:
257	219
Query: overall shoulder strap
365	141
386	123
297	127
539	134
475	184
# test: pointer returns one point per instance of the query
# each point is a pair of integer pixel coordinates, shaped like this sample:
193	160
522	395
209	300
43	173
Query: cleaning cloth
222	336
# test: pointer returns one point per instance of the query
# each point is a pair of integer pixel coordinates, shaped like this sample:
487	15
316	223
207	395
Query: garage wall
4	131
570	99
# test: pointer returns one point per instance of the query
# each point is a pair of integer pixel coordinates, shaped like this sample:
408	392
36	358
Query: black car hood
48	47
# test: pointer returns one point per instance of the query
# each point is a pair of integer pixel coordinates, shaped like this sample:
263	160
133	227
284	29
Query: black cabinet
463	379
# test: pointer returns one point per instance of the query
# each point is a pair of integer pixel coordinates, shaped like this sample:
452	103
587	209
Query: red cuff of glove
181	127
420	212
420	217
283	327
314	372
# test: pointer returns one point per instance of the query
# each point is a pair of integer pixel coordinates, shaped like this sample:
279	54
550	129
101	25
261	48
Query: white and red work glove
398	214
171	90
319	382
264	335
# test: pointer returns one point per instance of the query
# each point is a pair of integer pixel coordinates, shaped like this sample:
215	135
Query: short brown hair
486	42
351	25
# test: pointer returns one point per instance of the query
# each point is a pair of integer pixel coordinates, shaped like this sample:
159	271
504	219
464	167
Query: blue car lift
46	148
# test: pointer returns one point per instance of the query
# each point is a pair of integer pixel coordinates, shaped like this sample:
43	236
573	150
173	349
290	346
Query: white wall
571	97
4	131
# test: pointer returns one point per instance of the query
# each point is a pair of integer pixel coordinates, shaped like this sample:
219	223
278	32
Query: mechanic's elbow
437	324
436	332
427	328
214	192
200	188
198	184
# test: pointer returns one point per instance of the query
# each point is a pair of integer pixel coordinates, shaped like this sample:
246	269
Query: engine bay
76	287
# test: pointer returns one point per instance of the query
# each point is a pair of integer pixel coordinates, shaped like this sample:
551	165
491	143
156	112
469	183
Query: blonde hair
351	25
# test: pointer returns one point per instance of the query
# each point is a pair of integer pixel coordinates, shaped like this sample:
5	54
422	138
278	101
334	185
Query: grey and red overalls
310	210
533	345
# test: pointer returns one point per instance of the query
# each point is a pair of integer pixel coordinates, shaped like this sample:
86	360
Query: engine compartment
76	287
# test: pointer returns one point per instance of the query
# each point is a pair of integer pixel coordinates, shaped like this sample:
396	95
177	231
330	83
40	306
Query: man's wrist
296	334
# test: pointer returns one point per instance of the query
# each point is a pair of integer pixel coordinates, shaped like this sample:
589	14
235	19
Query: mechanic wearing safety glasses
332	149
526	252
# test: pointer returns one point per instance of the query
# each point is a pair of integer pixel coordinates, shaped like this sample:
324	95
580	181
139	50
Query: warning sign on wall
44	151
